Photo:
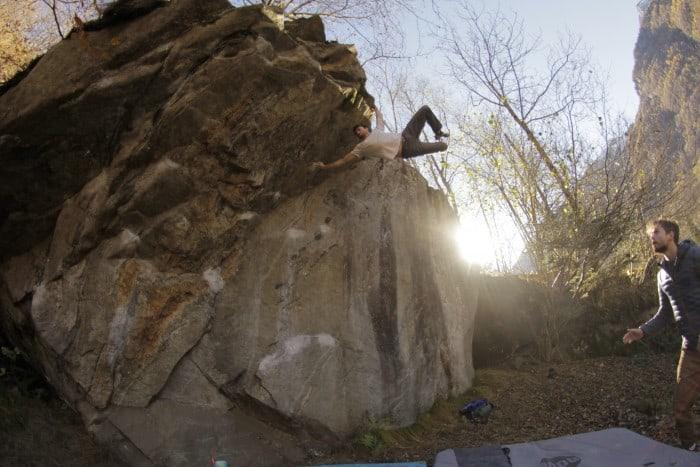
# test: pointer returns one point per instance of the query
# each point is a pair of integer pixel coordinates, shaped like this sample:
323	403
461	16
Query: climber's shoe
442	134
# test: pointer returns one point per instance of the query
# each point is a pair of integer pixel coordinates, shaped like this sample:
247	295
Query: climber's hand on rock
316	166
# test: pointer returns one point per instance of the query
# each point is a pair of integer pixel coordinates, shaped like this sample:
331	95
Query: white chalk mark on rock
295	234
213	278
293	346
128	237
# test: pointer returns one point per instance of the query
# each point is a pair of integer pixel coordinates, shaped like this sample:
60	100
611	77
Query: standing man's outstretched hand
632	335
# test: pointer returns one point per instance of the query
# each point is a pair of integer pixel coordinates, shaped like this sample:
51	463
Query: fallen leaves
546	401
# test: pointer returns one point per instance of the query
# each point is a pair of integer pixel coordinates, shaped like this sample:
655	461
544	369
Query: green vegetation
443	417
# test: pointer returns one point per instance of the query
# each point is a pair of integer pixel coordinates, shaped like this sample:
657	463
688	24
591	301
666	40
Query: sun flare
493	248
475	243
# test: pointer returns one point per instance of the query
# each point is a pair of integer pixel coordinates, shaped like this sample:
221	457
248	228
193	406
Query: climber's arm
380	119
349	158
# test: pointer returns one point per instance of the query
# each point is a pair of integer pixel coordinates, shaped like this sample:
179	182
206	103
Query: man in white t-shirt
380	144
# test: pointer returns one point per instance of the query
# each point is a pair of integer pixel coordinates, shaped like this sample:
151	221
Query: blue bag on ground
477	410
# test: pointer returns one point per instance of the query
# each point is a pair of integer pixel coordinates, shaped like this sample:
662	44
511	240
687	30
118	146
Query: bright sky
608	27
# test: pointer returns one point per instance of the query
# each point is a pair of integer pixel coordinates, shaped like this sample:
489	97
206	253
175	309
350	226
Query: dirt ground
532	402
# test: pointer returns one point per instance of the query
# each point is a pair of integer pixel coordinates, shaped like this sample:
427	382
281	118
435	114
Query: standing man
380	144
678	282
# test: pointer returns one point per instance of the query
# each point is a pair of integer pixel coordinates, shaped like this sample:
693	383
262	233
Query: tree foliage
29	27
17	48
545	144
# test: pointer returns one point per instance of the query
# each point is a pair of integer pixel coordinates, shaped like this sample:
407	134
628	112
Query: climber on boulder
381	144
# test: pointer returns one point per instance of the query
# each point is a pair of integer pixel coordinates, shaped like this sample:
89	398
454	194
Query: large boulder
179	275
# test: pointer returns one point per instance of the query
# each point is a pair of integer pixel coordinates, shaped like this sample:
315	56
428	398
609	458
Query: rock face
667	76
178	274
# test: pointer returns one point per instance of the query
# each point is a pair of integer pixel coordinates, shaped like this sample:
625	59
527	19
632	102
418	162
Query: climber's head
361	131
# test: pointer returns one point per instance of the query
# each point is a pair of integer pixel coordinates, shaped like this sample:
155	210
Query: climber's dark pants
411	145
687	391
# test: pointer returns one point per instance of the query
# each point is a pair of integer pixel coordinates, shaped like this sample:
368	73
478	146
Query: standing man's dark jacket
679	295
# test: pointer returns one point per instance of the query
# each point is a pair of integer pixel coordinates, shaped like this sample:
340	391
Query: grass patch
442	417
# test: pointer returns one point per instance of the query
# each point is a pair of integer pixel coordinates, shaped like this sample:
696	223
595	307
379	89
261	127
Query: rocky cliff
176	272
667	77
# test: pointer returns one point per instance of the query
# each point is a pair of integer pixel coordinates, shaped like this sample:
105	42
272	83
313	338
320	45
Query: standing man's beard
660	248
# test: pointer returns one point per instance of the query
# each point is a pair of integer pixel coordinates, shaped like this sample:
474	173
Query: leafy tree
15	49
545	144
